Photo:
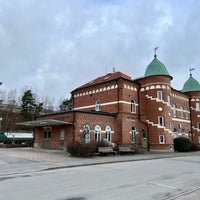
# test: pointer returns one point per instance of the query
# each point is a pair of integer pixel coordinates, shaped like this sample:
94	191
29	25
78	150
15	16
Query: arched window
97	133
86	134
159	95
97	106
160	120
186	114
133	134
198	106
183	132
182	112
169	99
108	134
175	132
174	110
133	106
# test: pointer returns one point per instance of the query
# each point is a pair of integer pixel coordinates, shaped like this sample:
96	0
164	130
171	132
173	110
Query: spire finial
155	49
191	69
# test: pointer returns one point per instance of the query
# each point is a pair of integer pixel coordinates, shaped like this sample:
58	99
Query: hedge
182	144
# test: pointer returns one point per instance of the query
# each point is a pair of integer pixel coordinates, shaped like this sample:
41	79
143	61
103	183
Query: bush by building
84	150
182	144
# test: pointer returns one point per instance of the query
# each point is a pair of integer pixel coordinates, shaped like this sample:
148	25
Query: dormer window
97	106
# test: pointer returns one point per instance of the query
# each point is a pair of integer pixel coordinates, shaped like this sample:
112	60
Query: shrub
195	147
82	150
182	144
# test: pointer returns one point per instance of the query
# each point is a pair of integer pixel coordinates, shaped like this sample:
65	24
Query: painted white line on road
183	194
169	186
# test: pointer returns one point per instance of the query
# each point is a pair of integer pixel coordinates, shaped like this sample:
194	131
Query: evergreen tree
30	108
66	105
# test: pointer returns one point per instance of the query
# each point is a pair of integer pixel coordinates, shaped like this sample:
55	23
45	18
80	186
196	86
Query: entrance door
144	140
47	139
62	138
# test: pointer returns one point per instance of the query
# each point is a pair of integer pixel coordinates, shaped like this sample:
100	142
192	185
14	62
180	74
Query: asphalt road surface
138	180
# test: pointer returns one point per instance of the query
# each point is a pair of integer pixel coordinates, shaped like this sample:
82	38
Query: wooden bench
106	150
125	149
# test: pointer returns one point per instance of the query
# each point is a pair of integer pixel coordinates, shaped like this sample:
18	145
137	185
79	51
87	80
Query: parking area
34	154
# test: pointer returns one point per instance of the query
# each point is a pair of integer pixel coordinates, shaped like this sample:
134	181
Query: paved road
143	180
27	165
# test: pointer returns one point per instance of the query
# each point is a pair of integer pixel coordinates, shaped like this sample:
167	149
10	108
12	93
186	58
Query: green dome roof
191	85
156	68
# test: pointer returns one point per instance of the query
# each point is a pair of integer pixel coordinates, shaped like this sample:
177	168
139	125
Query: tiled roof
106	78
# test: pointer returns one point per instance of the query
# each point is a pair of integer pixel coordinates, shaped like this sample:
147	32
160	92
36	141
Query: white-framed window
186	114
183	132
175	132
97	133
198	126
160	121
47	134
97	106
62	134
197	106
159	95
169	99
108	134
161	139
181	109
174	110
86	134
199	139
133	134
133	106
170	126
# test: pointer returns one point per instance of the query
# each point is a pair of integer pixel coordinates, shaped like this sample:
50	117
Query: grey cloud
55	46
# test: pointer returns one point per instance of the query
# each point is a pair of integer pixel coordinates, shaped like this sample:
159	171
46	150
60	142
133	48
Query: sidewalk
34	159
19	161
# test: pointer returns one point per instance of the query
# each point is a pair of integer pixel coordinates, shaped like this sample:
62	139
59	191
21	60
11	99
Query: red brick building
145	112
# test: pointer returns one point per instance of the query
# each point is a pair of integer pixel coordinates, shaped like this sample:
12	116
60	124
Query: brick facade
146	112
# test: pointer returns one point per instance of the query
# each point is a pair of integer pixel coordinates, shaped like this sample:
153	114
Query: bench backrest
105	149
124	148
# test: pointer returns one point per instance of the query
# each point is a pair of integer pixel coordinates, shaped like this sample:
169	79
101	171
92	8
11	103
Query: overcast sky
54	46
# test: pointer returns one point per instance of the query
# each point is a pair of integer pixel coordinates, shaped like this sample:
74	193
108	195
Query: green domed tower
155	108
155	68
191	85
192	88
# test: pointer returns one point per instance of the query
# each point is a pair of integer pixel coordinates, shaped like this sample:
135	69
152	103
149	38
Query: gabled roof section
106	78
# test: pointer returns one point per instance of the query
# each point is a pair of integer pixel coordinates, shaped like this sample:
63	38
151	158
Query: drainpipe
146	124
73	129
191	130
148	144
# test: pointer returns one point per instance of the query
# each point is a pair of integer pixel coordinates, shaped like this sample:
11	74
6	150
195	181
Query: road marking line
153	183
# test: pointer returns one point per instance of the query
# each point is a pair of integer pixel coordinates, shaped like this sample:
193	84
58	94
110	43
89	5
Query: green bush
182	144
82	150
195	147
